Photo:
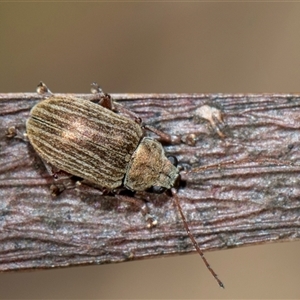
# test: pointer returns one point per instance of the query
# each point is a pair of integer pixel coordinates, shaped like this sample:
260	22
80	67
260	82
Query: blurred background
157	48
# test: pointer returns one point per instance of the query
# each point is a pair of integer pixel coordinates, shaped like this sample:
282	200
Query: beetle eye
173	160
157	189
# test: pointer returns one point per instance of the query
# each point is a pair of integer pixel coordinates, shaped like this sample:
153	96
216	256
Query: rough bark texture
240	185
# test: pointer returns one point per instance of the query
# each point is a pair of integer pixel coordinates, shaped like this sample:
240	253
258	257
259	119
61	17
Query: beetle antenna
174	193
232	162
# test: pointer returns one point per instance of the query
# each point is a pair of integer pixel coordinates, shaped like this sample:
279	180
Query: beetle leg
13	132
164	137
42	89
105	99
54	172
107	102
151	219
121	109
57	188
61	179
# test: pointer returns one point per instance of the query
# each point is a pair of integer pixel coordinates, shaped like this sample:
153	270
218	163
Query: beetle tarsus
42	89
105	99
151	220
56	189
13	132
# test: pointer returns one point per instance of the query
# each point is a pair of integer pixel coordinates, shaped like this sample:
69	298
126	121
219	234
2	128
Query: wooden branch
244	187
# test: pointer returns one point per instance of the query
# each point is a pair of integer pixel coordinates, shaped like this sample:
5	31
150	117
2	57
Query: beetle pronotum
92	142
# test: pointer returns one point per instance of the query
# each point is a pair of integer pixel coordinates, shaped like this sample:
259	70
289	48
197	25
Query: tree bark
240	184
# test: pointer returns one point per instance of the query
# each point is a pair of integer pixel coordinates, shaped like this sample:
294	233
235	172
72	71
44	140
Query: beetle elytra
87	140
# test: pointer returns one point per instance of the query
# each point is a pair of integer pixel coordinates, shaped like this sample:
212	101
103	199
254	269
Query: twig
244	187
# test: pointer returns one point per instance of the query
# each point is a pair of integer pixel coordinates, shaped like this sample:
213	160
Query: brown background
156	47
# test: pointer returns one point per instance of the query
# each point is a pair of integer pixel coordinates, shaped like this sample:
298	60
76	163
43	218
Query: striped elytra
94	143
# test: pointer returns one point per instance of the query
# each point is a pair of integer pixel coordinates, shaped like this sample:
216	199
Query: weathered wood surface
254	200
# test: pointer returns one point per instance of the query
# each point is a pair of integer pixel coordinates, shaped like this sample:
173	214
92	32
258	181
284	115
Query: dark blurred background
157	48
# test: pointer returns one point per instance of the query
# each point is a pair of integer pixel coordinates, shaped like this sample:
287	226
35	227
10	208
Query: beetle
105	148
